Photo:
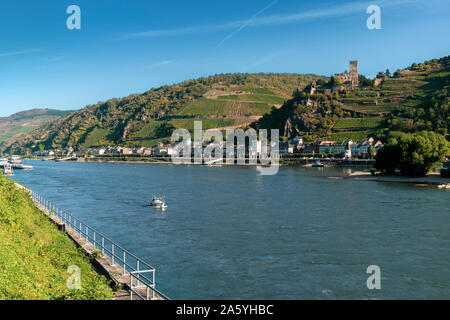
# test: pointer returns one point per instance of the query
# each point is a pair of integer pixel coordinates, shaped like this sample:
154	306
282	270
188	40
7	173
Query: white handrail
91	236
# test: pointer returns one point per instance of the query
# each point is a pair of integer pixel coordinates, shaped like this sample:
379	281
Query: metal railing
142	273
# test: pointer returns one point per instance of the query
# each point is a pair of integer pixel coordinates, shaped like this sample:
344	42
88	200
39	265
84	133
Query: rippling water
230	233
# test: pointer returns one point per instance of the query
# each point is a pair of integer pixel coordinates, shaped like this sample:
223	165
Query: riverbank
431	179
294	162
35	255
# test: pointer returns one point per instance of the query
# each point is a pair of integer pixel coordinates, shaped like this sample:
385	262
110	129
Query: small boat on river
318	164
158	202
21	166
66	159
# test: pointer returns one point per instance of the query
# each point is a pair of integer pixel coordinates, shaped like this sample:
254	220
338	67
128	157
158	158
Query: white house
100	151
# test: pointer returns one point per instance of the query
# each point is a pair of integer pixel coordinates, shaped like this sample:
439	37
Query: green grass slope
34	255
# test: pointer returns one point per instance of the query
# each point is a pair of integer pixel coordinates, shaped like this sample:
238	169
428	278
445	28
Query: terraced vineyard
222	109
415	98
225	107
410	89
149	136
220	101
351	135
406	91
358	123
355	129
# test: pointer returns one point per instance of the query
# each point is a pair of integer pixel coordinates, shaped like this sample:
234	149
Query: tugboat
158	202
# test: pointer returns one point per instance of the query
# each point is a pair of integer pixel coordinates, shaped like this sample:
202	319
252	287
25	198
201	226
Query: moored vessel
318	164
15	160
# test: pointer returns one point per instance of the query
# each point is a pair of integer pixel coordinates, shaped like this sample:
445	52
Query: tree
388	73
337	81
320	82
413	154
365	82
371	152
388	158
165	129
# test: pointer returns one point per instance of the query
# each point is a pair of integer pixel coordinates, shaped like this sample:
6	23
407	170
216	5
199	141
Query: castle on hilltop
349	78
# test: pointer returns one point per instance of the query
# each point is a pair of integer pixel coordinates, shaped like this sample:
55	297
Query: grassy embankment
34	255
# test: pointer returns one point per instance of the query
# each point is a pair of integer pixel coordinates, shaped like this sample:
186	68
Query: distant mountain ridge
21	123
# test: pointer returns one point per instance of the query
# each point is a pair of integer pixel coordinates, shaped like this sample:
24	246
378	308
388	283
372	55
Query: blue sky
127	47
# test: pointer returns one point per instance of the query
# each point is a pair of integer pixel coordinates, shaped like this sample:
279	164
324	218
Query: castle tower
354	73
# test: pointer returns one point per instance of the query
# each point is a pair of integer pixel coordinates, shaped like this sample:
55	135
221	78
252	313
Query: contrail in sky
247	22
257	20
16	53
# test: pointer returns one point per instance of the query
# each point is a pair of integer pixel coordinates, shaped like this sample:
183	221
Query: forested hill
22	123
412	99
221	101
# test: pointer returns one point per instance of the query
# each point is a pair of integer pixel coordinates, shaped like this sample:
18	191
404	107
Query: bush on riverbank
412	154
34	255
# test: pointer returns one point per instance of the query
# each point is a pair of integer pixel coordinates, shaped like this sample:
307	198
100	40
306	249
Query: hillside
22	123
413	99
34	255
221	101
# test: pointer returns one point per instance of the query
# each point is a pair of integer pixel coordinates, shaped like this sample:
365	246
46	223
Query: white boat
444	186
15	160
3	162
67	159
213	162
21	166
158	202
318	164
7	170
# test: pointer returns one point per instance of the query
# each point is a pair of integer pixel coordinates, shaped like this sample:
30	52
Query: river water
230	233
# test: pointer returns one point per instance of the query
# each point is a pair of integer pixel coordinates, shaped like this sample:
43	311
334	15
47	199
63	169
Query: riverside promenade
133	279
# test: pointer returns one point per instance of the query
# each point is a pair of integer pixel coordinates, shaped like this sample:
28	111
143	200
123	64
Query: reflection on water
229	232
